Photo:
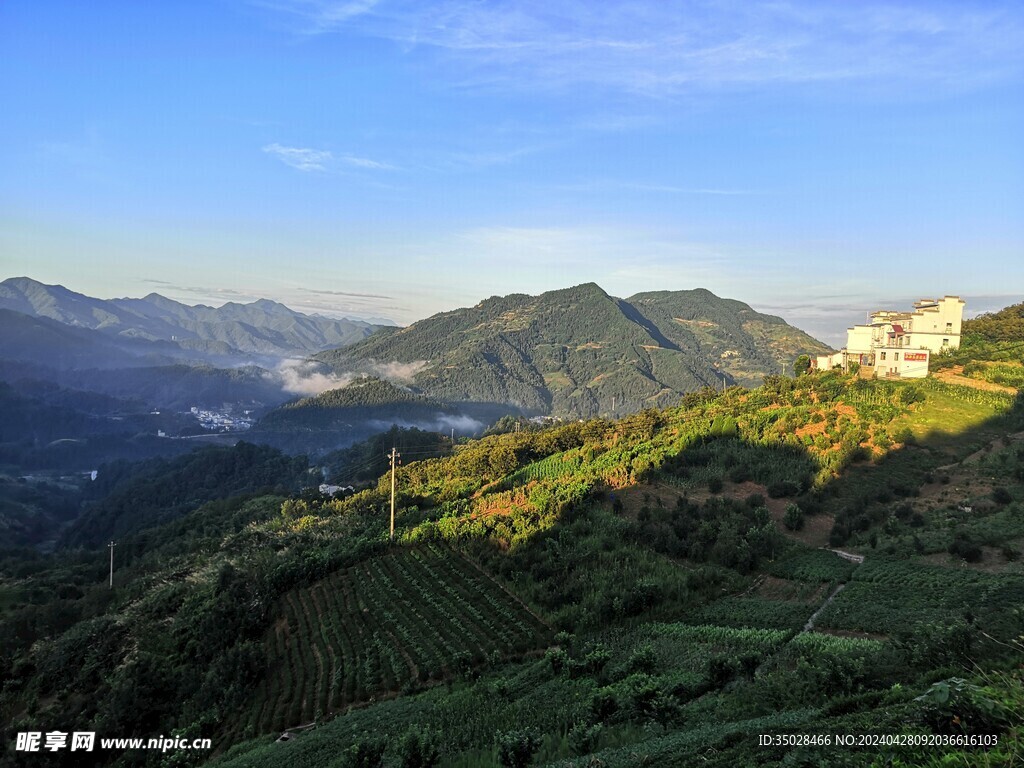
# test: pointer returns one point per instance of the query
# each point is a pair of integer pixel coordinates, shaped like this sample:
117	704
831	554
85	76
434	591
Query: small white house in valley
898	345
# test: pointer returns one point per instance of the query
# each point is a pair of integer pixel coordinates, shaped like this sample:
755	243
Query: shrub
715	485
517	748
794	517
782	488
1001	496
368	752
739	473
583	738
420	749
557	658
964	548
604	704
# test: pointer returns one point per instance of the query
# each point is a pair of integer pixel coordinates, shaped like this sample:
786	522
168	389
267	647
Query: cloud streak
300	377
665	49
318	16
306	378
300	158
324	292
306	159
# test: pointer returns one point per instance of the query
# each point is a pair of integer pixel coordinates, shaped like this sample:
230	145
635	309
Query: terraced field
407	618
885	595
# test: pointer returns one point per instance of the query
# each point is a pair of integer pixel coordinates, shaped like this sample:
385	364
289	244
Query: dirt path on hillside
809	626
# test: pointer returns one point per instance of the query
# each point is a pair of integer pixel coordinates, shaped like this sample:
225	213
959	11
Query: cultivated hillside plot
404	619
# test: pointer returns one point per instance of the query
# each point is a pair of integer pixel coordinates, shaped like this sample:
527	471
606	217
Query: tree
802	365
503	461
794	517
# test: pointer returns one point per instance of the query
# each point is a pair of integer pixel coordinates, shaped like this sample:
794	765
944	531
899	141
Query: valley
816	554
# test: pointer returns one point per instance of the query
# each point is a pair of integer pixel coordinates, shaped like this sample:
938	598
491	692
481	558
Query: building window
949	327
883	355
945	342
896	356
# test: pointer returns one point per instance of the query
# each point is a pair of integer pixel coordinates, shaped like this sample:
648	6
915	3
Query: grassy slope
608	530
665	708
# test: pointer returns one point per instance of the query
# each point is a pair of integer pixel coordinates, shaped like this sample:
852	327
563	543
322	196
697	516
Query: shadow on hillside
870	492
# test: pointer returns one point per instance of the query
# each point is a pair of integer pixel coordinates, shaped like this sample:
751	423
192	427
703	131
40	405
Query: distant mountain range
575	352
160	329
581	352
84	380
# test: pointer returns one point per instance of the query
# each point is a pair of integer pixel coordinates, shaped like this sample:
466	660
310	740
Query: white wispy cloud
363	162
305	159
602	186
316	16
300	157
663	49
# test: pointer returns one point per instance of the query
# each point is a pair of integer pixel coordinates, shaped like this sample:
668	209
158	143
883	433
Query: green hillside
580	351
1006	325
627	592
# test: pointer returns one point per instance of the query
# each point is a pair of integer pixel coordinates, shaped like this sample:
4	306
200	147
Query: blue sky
384	158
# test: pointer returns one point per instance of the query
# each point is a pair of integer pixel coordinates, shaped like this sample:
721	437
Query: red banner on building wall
915	356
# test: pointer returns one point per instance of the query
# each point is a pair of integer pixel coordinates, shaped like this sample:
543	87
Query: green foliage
1006	325
888	595
420	749
391	623
583	737
793	518
957	706
160	490
517	748
998	401
963	547
562	352
368	752
812	565
367	460
1001	495
363	399
239	621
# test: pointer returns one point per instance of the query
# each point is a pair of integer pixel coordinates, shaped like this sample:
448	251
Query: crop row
377	628
753	613
552	467
812	565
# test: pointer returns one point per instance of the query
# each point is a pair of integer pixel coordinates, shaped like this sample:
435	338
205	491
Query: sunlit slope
580	351
641	538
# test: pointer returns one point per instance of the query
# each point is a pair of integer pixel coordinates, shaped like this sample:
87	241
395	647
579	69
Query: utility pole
394	459
111	546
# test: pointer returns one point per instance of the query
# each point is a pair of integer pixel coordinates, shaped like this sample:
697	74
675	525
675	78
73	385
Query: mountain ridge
579	351
263	327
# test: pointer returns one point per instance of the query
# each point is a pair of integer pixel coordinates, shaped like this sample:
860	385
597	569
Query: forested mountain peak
579	351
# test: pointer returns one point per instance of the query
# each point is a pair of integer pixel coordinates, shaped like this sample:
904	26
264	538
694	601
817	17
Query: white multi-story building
899	344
